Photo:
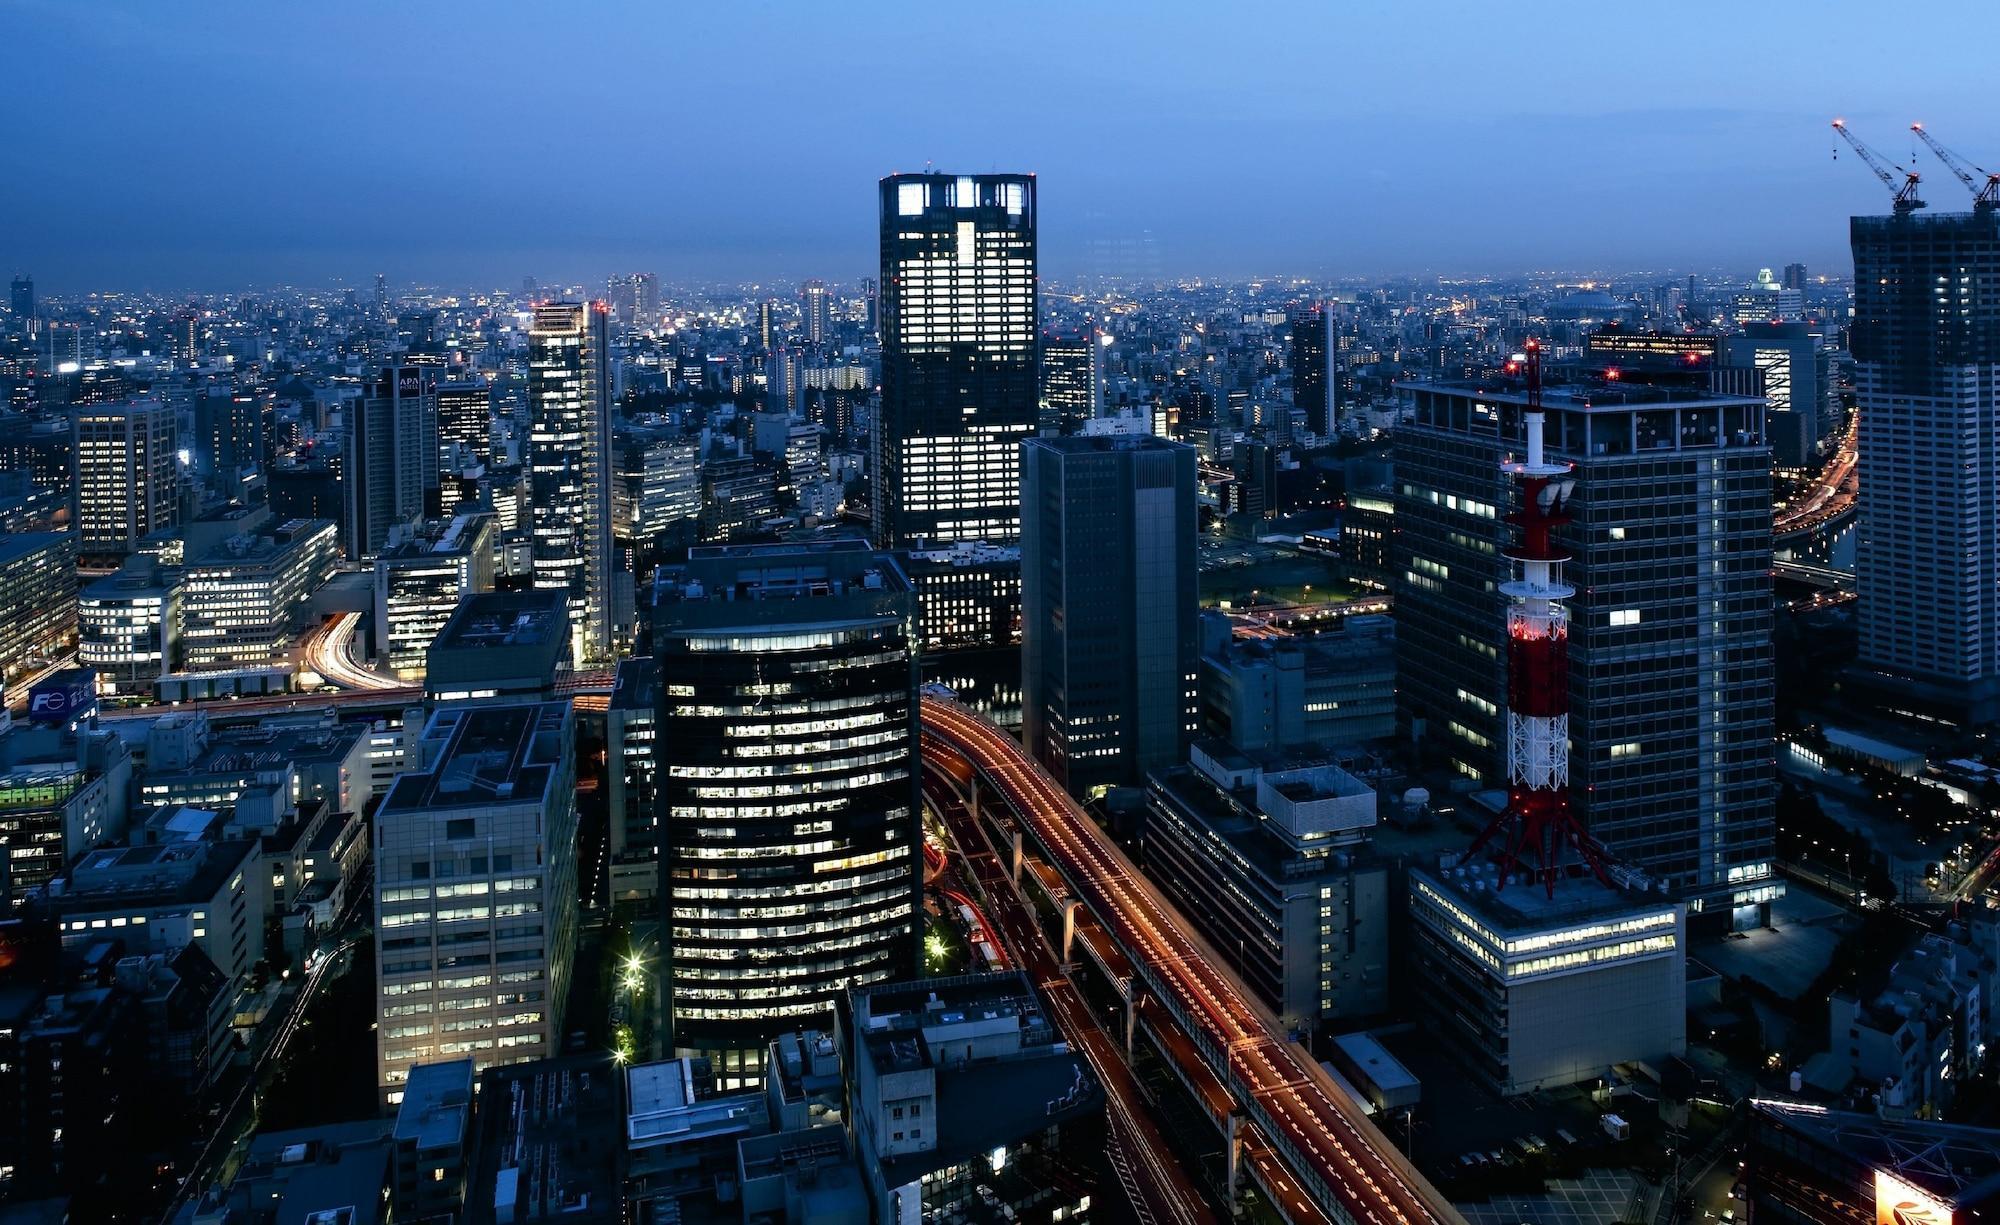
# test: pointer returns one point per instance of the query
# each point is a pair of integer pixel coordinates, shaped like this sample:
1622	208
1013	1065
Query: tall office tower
764	327
1670	668
235	430
645	299
1108	644
569	442
1926	344
870	291
381	296
24	296
813	304
465	416
127	474
1072	390
787	771
389	458
1795	277
960	371
1311	359
475	891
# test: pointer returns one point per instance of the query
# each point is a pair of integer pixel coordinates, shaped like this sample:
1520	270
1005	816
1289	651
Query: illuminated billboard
1899	1203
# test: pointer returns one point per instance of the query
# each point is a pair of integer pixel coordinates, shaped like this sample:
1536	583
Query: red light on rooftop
1611	374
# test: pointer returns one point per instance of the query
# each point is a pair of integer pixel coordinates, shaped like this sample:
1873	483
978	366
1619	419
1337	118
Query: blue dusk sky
215	144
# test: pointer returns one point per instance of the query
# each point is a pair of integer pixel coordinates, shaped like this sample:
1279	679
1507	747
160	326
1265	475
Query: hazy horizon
227	149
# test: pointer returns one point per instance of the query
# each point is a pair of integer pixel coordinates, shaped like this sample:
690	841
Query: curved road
1833	492
329	651
1313	1123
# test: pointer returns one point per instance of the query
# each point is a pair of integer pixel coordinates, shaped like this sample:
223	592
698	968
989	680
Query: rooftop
662	1107
1955	1164
637	685
491	754
1524	905
549	1143
437	1104
808	570
16	545
506	619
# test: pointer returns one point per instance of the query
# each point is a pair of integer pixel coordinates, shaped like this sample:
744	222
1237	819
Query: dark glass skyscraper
1108	644
1926	345
959	357
1311	360
787	769
389	465
465	416
1072	392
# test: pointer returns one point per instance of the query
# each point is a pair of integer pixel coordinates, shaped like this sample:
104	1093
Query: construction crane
1906	195
1982	197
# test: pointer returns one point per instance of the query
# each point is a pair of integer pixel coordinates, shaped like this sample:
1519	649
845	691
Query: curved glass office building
787	739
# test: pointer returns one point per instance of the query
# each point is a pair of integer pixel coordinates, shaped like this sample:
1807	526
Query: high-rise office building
389	461
24	296
235	430
1670	665
465	416
645	299
381	296
873	295
1311	359
1793	366
1108	633
764	325
960	372
1926	344
475	891
127	474
1795	277
812	301
787	771
1072	388
569	440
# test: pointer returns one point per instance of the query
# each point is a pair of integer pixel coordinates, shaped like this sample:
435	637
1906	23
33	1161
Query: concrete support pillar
1017	859
1069	909
1235	1152
1131	1019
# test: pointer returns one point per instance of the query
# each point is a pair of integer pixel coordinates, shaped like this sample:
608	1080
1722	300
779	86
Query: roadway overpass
1298	1130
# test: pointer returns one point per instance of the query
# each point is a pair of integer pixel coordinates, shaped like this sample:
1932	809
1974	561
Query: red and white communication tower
1538	822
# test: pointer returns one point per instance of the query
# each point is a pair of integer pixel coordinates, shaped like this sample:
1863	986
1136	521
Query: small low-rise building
1332	689
37	597
419	582
1533	989
963	1098
242	600
160	898
128	627
433	1126
508	645
1272	866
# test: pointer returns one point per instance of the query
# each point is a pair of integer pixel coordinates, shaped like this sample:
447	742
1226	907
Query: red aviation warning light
1538	822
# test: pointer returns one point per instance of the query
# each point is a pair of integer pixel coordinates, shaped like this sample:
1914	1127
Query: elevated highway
1304	1133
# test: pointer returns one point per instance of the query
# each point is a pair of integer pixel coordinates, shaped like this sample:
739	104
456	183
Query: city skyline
1400	133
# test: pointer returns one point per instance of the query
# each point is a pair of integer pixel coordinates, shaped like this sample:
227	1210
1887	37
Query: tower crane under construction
1907	200
1983	196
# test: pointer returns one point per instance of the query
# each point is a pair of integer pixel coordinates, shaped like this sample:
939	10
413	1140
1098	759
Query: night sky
219	144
